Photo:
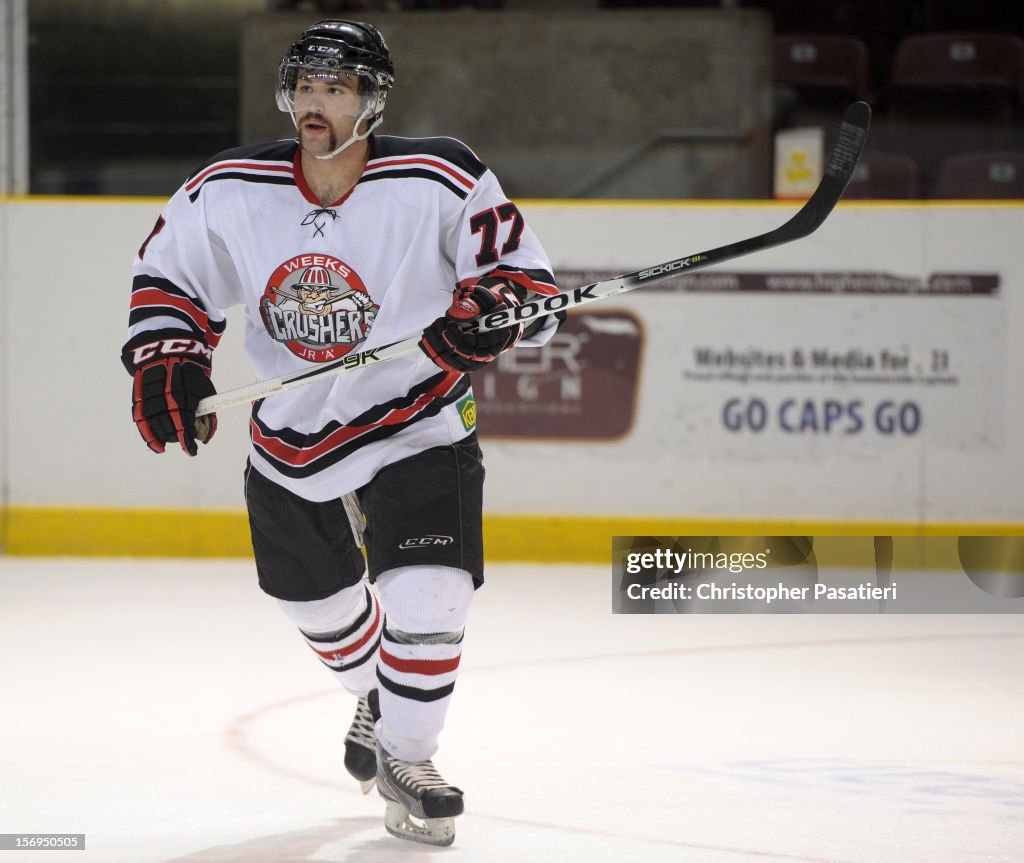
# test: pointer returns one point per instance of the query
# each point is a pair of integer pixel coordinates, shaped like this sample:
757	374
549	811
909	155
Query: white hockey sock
419	655
344	630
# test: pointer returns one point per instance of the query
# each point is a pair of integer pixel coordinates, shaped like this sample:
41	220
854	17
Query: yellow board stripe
133	532
543	538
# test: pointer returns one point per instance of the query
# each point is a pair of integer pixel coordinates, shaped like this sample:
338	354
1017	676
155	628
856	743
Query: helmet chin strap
355	136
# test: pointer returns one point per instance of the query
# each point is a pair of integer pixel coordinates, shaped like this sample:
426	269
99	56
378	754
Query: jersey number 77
486	224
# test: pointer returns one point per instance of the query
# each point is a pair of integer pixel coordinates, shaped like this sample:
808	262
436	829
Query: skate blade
399	822
366	785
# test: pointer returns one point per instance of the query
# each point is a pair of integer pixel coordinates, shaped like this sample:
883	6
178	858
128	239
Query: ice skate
361	742
421	806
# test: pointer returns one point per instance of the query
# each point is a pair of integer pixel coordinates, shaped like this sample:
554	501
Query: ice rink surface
170	712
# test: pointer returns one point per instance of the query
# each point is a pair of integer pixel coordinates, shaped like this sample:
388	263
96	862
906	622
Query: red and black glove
455	349
172	373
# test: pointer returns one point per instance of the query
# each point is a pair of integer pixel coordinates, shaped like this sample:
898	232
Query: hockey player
339	241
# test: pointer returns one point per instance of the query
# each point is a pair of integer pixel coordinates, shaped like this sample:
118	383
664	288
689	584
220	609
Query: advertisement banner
581	384
855	358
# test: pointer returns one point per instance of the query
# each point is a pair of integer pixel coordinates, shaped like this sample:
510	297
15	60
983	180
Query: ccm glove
172	374
452	347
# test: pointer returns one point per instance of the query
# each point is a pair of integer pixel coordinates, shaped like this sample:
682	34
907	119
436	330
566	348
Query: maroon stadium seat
997	174
884	175
821	62
960	61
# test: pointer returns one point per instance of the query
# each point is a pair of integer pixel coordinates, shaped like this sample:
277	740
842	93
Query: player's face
326	109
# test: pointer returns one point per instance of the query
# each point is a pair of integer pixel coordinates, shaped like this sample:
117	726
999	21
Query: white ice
170	712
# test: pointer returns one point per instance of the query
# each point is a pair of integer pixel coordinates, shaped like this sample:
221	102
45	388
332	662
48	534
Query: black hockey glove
454	349
172	373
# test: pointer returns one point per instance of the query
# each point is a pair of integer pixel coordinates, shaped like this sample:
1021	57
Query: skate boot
421	806
361	742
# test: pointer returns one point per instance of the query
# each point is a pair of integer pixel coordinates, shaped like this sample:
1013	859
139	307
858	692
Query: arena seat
821	64
966	72
994	174
884	175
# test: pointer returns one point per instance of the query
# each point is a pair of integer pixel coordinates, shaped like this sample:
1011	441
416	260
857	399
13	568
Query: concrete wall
652	103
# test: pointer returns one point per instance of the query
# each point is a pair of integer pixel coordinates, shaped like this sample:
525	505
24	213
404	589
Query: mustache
317	118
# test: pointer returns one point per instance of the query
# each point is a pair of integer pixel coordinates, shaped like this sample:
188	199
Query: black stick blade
853	134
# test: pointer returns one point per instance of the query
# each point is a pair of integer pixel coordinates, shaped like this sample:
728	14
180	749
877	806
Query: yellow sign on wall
799	156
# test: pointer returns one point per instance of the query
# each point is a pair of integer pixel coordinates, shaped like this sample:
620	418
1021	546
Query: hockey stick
841	163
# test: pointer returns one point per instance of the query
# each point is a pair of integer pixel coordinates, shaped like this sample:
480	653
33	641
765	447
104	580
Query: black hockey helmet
336	46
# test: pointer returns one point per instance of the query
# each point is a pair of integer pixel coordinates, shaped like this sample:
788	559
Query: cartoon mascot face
318	307
315	291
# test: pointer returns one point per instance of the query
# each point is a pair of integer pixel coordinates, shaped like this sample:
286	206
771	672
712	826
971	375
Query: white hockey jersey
318	282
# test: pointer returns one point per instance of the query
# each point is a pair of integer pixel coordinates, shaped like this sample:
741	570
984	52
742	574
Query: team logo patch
318	307
467	411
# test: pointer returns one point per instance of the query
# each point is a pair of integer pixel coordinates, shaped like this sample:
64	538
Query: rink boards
860	382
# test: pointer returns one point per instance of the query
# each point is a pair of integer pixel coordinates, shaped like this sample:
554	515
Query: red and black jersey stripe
299	455
155	297
351	647
260	163
424	673
456	154
249	172
440	160
413	171
271	151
